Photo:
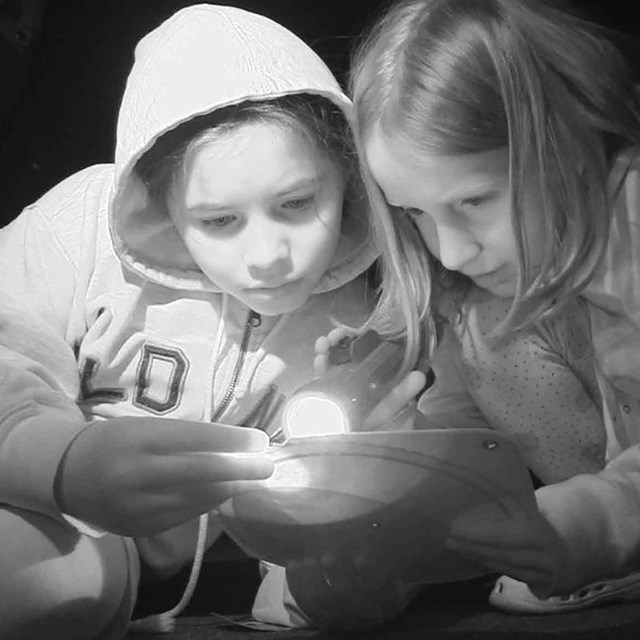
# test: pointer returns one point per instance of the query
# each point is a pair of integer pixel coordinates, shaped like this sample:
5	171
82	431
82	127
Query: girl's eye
298	203
474	202
219	222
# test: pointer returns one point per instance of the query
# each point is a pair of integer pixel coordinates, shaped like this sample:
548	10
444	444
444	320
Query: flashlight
341	399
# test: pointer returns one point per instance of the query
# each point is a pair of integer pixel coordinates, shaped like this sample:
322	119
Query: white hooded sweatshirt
104	312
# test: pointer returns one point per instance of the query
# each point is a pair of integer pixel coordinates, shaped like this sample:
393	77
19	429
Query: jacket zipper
253	320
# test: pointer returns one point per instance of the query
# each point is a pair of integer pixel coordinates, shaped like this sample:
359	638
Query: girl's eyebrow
207	207
296	185
303	183
481	187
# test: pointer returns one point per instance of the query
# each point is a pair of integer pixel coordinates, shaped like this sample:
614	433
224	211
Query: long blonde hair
464	76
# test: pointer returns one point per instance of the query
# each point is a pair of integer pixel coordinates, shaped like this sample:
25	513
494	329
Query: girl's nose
457	247
266	252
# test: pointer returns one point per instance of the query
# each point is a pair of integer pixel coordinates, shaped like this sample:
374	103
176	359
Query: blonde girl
498	140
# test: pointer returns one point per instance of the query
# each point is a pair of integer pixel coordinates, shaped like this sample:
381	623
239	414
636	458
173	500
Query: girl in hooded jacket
152	302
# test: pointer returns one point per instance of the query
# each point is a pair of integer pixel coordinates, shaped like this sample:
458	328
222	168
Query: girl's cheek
429	233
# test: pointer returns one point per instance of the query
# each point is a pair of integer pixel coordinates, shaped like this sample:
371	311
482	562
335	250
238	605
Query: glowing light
292	474
315	416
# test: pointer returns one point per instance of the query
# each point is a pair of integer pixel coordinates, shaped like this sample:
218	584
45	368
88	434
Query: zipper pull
255	319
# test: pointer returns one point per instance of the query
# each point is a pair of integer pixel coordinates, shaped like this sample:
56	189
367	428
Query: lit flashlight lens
315	416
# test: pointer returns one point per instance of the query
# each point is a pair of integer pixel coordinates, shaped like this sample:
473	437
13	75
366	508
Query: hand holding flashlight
357	388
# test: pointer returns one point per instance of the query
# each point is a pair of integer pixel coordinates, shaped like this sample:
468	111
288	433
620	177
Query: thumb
399	399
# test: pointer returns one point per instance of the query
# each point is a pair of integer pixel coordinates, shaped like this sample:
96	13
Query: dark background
63	66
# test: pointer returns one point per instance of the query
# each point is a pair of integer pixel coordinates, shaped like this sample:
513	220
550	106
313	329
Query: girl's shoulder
615	285
78	191
482	314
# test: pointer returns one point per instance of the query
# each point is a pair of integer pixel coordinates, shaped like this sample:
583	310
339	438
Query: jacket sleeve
37	423
39	382
38	414
597	517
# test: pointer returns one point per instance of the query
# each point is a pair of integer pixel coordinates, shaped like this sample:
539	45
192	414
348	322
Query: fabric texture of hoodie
104	312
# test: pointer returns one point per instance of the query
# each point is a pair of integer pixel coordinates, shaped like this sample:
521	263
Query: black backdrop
64	118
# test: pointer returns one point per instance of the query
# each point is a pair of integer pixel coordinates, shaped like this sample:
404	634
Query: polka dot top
538	386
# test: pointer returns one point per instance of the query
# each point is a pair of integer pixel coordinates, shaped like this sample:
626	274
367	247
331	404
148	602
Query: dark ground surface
457	611
63	92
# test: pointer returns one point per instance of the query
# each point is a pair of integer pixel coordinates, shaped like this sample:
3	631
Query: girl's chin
497	285
502	291
276	305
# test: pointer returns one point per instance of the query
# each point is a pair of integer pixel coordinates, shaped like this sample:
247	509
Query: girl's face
260	212
461	206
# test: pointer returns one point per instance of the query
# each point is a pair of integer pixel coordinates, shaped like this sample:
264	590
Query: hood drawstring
165	622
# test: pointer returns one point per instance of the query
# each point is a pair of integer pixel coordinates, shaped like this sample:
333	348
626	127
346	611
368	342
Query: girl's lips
273	289
489	279
488	274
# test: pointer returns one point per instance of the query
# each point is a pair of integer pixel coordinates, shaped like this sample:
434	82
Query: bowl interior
392	495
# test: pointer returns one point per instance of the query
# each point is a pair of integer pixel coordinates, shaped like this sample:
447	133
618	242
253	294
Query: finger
189	503
514	533
523	569
333	338
396	400
337	335
322	345
332	349
321	360
183	436
200	469
219	492
239	466
321	364
509	561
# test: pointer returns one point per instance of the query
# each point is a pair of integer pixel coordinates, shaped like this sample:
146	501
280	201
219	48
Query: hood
203	58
